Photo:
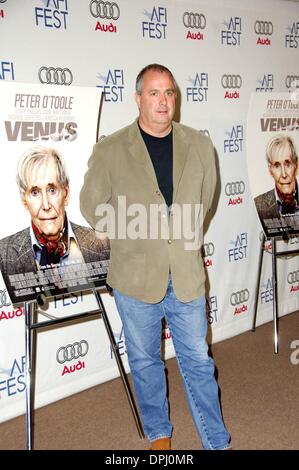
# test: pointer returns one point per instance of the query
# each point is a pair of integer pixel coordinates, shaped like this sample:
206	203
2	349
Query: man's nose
163	99
45	202
283	171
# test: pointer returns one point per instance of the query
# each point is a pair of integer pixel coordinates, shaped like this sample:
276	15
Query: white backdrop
220	53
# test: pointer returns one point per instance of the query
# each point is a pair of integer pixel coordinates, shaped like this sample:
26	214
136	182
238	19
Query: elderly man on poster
282	160
51	238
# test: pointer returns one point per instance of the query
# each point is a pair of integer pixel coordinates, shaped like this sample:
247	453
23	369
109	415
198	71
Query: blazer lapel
180	153
139	151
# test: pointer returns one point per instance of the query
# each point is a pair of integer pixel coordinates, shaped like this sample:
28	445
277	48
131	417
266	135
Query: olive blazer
120	173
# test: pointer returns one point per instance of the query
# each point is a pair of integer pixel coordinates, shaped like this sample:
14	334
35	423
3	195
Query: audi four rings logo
55	76
239	297
231	81
208	249
263	27
235	188
292	81
72	351
107	10
293	277
194	20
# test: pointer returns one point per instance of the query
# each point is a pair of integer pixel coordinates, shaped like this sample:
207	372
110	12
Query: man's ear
137	99
24	202
67	195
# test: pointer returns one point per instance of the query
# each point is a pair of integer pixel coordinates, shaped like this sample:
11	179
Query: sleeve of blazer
97	185
209	182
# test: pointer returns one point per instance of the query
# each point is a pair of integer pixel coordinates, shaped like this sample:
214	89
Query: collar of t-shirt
160	150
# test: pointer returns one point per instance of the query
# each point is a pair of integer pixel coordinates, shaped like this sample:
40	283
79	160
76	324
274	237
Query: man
51	238
155	162
282	161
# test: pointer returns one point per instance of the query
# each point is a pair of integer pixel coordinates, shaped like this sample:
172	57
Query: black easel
32	325
275	254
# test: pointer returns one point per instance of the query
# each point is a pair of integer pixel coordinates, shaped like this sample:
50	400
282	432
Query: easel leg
119	363
274	281
257	292
30	311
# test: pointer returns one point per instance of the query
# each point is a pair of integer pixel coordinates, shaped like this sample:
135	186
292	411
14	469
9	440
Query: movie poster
272	159
46	247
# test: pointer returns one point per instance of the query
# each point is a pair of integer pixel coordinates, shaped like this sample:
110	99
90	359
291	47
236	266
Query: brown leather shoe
161	444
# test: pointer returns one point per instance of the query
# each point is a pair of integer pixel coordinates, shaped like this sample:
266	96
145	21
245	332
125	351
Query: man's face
156	103
284	170
46	199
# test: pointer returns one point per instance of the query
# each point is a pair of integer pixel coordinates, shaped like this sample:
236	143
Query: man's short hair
276	143
36	156
155	68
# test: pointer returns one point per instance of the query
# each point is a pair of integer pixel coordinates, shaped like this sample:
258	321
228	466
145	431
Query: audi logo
239	297
293	277
292	81
231	81
208	249
55	76
3	298
235	188
263	27
194	20
107	10
72	351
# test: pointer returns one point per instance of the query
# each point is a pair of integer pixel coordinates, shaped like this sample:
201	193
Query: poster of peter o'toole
272	160
46	248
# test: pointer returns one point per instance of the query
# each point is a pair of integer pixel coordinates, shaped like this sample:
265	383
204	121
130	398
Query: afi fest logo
233	143
212	309
239	300
198	92
53	14
120	343
156	24
15	381
234	190
231	34
114	85
267	291
7	70
266	83
292	36
264	30
195	23
239	250
232	84
107	11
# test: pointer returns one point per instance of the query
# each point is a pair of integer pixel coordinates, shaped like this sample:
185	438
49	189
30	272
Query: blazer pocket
129	267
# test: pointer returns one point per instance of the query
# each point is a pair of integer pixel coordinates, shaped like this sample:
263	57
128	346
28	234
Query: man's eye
34	192
52	191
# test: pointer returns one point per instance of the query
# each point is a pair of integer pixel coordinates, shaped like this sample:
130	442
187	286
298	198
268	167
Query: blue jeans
187	323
